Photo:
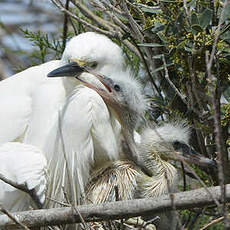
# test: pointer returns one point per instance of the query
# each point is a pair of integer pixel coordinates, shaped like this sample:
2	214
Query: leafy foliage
45	45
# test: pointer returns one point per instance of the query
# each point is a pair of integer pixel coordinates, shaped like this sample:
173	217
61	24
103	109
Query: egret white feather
24	165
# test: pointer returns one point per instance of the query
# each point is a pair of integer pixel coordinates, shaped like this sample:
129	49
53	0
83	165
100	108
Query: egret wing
25	165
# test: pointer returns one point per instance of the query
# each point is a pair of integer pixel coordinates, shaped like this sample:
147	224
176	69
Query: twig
13	218
95	28
111	7
171	196
75	210
89	14
184	177
171	83
65	25
59	202
148	72
186	11
133	5
136	28
216	221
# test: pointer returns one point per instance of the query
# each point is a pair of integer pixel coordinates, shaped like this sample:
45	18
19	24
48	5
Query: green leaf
151	10
225	29
226	12
158	28
188	49
197	28
152	45
205	18
194	19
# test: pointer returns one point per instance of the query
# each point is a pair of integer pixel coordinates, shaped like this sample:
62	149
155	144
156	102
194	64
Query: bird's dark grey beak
191	156
70	70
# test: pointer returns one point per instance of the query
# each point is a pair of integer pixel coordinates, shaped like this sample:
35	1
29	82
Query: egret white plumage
121	180
29	100
24	165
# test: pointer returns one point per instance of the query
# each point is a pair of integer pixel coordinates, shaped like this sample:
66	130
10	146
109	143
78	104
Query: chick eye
117	88
176	145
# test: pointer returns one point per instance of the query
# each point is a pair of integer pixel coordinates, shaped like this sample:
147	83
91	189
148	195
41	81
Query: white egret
121	180
24	165
29	100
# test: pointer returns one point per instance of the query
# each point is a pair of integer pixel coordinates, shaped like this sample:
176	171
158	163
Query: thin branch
136	28
111	7
75	210
85	23
171	196
171	83
216	221
65	25
89	14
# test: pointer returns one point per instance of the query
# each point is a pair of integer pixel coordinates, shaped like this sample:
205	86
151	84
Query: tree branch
116	210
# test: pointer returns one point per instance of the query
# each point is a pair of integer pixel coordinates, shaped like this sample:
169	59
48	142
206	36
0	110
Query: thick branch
115	210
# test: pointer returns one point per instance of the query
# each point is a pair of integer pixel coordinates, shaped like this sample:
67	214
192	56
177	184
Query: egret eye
117	88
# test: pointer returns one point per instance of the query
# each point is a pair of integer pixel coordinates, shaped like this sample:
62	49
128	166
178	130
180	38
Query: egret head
171	142
91	50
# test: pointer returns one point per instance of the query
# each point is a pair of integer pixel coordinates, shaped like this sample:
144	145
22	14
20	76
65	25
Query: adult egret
29	100
24	165
121	180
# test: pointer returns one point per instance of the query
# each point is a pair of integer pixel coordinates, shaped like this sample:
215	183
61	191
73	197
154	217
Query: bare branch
88	25
171	83
116	210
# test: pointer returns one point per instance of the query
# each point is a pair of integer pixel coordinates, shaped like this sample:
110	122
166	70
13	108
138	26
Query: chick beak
191	156
103	79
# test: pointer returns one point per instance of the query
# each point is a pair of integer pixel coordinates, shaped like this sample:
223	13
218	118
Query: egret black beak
191	156
70	70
